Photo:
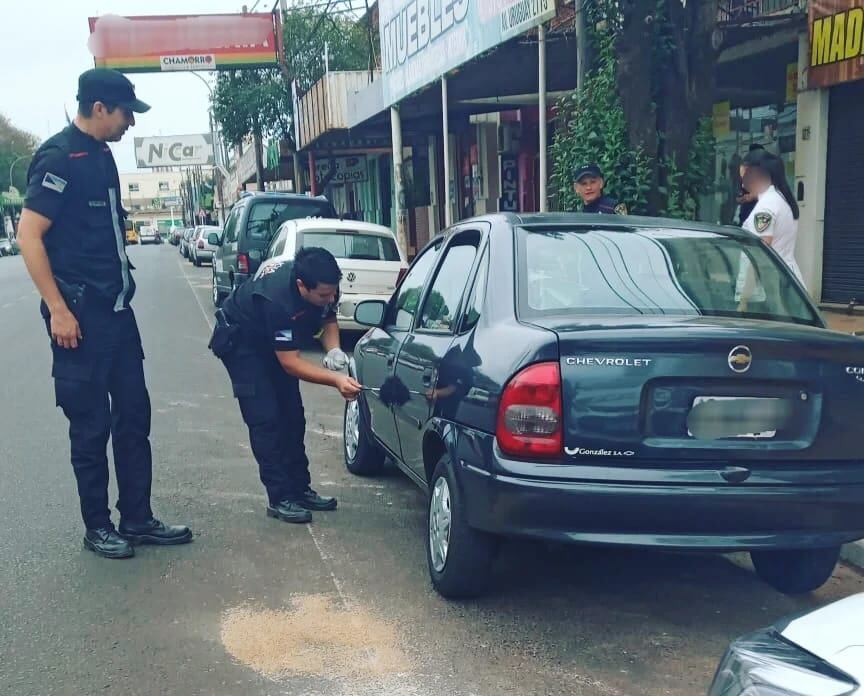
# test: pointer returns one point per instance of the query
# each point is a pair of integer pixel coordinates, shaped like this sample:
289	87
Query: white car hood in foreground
834	633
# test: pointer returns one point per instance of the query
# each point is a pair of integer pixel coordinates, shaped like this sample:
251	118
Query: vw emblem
351	277
740	359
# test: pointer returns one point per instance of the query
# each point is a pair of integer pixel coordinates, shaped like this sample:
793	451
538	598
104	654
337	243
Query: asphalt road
231	613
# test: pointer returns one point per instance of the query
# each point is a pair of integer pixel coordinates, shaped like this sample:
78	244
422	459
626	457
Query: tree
258	102
661	54
15	143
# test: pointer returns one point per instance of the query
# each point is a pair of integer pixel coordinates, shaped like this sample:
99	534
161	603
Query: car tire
459	557
363	457
796	571
216	295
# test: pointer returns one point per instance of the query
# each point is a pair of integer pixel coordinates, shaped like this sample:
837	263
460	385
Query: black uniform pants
272	409
100	387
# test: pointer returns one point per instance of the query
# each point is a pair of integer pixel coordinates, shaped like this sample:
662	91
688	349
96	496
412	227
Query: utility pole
398	184
541	108
286	76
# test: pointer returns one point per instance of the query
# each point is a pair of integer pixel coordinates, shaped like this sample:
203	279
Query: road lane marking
197	299
325	559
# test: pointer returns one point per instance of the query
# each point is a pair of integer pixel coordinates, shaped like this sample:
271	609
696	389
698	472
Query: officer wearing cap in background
588	184
259	332
72	239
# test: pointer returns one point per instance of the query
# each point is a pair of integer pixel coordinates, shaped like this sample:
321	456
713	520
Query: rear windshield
598	271
265	217
353	245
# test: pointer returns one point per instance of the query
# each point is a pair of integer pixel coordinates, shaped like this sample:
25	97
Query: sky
43	49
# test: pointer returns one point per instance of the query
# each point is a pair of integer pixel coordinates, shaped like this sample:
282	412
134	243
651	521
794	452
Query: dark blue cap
110	87
591	169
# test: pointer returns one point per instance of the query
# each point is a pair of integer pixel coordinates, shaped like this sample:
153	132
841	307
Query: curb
853	554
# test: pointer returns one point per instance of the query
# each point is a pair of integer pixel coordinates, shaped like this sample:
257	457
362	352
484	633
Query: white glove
336	360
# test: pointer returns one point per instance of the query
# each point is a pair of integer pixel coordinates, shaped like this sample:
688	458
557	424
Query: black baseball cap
591	169
110	87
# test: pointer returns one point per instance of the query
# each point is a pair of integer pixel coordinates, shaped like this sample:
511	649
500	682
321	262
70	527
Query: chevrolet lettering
608	362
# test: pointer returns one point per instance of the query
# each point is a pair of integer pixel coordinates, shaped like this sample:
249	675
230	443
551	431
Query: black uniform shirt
272	314
605	204
73	181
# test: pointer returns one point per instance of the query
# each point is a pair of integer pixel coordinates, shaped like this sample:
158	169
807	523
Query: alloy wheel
352	429
440	519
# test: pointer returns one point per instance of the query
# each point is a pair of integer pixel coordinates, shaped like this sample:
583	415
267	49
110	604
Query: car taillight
529	414
402	272
200	244
242	263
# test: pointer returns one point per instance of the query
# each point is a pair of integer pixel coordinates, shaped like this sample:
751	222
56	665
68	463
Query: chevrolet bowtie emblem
740	359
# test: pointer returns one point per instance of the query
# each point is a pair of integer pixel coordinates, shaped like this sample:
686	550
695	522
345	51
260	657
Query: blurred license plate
764	435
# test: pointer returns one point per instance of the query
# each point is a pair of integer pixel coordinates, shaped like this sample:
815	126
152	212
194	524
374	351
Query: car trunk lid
712	388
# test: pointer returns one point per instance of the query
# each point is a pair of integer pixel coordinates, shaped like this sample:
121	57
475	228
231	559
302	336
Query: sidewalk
840	321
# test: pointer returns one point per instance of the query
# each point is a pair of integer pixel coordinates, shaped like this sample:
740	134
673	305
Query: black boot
106	542
155	532
289	511
320	503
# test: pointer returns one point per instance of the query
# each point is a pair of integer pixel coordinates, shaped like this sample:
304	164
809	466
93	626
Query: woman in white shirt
775	216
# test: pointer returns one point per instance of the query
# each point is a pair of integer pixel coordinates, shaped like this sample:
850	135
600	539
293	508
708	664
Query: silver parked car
200	249
817	654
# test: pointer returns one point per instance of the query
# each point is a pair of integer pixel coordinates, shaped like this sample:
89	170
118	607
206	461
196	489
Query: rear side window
353	245
231	225
473	306
402	309
442	302
265	217
278	245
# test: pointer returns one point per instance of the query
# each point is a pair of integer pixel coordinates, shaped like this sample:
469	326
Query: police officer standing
72	240
588	183
260	330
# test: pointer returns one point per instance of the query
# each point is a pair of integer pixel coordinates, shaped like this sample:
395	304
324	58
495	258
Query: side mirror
370	312
214	239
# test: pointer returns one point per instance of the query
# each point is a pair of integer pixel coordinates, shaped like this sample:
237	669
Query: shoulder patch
620	209
762	221
269	268
54	182
285	335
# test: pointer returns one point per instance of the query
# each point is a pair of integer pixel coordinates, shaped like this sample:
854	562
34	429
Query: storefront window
769	126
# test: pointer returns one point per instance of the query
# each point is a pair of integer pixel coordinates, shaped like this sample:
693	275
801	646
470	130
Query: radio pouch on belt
225	336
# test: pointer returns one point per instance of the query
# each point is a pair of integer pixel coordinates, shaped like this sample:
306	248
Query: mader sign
349	170
421	40
174	151
836	42
183	42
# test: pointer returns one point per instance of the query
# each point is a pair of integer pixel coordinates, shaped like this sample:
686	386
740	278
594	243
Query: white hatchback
368	255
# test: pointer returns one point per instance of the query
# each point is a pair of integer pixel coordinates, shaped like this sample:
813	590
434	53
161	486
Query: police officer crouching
72	238
258	335
588	183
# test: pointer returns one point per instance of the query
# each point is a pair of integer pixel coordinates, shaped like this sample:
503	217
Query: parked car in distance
613	380
184	242
175	235
821	652
368	255
149	235
200	247
131	236
6	248
250	226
